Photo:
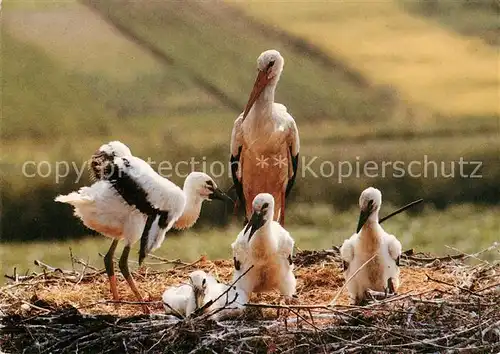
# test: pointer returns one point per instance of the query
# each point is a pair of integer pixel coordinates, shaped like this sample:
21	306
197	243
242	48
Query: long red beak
260	83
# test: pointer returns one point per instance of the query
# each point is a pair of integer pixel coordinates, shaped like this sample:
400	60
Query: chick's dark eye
265	205
203	282
271	63
210	183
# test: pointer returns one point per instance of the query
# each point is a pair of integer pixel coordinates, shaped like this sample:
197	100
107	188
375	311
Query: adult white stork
132	202
265	141
382	272
267	246
202	288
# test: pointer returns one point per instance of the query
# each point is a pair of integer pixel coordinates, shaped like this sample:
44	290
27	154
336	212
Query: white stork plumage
266	245
179	300
382	272
186	298
265	141
202	288
131	201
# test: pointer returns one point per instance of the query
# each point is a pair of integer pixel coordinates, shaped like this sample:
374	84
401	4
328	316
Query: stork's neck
263	106
371	229
191	211
262	235
373	218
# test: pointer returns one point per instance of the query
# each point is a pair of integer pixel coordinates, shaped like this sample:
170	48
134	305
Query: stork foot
286	300
291	300
390	287
375	295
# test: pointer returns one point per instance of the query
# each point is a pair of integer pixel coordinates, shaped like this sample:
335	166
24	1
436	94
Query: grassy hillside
30	80
167	77
101	69
200	41
470	18
428	65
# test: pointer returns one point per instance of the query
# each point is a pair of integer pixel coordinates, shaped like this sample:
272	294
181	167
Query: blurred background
390	80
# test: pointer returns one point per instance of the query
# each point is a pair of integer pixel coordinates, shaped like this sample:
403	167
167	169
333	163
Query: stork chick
382	272
187	298
265	141
202	288
267	246
208	289
179	300
133	202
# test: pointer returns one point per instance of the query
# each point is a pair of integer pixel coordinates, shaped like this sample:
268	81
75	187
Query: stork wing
347	251
141	186
158	198
394	247
293	142
285	242
240	252
235	159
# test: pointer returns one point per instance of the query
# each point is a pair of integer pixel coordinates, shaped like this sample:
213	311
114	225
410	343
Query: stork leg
390	286
126	273
110	269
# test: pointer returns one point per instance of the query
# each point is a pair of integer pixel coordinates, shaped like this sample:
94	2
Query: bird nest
444	304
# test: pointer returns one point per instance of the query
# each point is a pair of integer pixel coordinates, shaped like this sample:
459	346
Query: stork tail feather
73	198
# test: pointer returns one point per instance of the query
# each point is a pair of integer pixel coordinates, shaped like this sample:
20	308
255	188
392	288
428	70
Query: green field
169	78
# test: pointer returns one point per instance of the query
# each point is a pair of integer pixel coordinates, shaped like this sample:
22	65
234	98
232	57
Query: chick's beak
364	215
255	223
199	296
220	195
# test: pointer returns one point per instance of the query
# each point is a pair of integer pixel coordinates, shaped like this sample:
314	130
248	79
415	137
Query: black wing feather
130	190
235	163
295	165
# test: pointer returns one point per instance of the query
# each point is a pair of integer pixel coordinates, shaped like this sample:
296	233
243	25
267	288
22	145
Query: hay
444	305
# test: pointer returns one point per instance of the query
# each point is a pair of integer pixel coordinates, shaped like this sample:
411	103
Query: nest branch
448	306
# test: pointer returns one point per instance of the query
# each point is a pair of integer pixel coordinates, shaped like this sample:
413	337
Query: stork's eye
270	65
203	282
265	205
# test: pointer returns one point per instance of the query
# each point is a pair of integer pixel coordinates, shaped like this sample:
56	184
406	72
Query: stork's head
269	65
115	149
263	212
198	281
271	62
102	159
369	204
204	186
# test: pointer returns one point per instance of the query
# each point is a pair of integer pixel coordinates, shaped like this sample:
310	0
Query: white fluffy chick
382	272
